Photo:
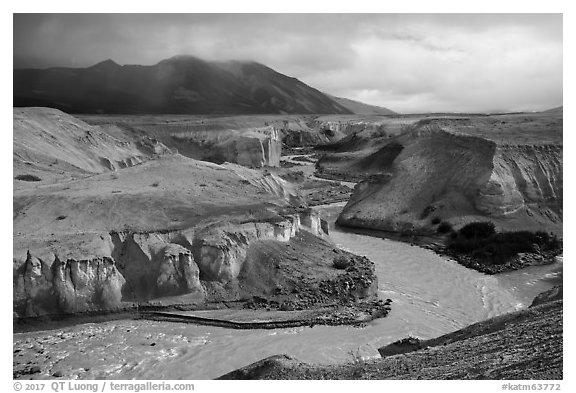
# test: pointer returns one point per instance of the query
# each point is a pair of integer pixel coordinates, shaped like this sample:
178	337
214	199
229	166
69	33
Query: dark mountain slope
361	108
179	85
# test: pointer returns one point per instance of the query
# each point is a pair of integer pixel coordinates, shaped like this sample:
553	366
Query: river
431	296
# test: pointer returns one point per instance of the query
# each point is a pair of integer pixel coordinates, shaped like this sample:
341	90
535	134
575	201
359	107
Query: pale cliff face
54	287
523	176
250	145
146	266
254	148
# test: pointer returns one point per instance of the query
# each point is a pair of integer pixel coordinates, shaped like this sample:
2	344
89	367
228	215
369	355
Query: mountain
557	110
360	108
179	85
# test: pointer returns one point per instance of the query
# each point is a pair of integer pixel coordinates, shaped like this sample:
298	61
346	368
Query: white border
309	6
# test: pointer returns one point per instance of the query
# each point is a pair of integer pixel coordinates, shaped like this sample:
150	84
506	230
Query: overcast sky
406	62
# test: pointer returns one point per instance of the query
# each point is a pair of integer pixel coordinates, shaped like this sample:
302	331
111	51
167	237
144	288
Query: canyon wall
430	172
139	267
253	147
523	175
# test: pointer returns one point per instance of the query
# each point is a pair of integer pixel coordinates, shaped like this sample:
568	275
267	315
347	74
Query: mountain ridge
361	108
179	85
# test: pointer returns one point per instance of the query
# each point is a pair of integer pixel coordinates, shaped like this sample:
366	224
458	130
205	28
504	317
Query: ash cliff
439	169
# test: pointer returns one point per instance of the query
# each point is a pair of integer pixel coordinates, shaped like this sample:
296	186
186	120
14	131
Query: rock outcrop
253	148
523	175
55	286
429	171
140	267
253	144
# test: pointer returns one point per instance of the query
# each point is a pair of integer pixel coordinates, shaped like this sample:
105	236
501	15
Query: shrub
407	232
356	356
478	230
28	178
341	262
499	247
436	221
444	227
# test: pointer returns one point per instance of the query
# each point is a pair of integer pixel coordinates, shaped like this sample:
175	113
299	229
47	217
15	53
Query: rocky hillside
523	345
443	169
360	108
181	84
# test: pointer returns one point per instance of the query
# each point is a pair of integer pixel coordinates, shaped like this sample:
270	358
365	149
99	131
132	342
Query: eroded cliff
126	268
432	171
250	142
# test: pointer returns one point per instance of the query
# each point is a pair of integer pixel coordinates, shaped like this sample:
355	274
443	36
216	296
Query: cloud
407	62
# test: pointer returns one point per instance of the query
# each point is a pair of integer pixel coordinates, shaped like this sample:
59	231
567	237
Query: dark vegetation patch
444	227
28	178
478	245
341	262
477	230
497	248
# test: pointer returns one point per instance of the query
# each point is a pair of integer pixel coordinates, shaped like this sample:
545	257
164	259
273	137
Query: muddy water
431	296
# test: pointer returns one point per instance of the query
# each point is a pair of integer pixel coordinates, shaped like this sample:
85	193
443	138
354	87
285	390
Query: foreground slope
523	345
359	108
181	84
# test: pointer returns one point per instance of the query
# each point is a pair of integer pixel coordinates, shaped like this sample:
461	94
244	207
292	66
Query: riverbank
523	345
438	244
520	261
352	315
239	315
